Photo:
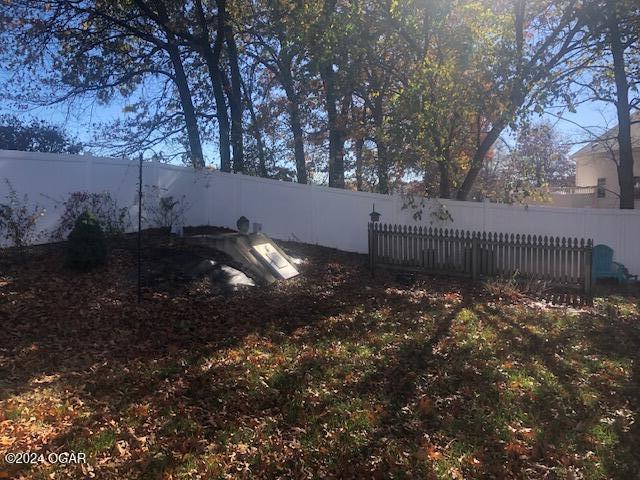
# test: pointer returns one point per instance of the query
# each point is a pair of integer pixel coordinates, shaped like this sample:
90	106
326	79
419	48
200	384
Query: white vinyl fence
288	211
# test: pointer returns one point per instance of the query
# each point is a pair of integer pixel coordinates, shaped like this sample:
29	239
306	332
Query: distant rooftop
609	139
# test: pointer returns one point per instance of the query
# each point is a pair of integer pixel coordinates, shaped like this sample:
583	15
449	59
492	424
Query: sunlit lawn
332	374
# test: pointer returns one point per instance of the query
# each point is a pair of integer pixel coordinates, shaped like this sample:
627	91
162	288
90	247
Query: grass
330	374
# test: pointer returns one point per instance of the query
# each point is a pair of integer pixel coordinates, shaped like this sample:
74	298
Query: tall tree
84	49
176	18
180	78
542	36
275	31
255	124
612	75
234	91
377	60
328	34
442	106
541	150
201	42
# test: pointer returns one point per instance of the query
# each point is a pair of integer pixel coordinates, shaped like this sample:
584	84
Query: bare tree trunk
182	84
193	134
445	179
539	175
625	149
341	137
298	143
212	59
295	121
336	140
383	160
235	93
478	160
257	134
359	148
383	166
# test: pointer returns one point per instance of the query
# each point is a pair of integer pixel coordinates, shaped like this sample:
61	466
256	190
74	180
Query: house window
601	190
636	188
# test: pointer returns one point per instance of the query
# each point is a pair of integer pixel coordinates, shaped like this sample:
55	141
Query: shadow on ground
332	373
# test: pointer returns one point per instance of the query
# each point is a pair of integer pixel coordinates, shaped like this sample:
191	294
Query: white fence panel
339	219
313	214
282	208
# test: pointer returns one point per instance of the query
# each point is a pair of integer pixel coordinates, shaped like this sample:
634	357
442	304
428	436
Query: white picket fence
288	211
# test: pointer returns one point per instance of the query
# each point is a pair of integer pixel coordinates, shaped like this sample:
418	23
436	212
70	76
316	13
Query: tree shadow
121	356
183	369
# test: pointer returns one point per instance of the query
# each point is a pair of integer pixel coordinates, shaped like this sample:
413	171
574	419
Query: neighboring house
597	175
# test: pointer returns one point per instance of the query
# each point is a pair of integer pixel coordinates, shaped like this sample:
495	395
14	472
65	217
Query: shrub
112	218
163	211
86	244
17	219
514	287
504	288
438	212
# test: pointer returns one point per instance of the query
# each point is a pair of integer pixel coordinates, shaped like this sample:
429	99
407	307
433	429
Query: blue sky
79	120
595	116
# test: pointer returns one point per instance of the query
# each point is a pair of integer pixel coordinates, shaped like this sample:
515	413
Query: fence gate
562	262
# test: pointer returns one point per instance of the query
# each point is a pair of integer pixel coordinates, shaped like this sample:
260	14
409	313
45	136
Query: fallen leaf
433	453
425	404
456	474
515	448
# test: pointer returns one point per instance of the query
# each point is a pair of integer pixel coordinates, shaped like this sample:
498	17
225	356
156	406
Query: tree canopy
355	94
35	136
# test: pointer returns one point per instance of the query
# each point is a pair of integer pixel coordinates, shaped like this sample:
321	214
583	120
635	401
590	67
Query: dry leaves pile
331	374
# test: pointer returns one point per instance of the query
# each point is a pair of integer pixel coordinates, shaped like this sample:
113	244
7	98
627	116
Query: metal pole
139	228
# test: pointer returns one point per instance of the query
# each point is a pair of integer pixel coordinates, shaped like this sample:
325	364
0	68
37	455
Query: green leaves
419	87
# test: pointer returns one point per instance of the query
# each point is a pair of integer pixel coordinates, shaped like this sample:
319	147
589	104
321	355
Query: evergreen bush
86	244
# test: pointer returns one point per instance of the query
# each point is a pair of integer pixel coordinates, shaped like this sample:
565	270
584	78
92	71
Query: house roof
609	139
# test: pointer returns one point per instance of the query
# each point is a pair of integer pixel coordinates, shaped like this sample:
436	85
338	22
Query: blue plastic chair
603	266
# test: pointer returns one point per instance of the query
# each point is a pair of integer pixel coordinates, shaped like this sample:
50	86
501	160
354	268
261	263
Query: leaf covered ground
331	374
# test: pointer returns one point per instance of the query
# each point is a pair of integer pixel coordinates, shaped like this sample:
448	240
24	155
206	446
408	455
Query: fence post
588	253
475	256
369	240
372	247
